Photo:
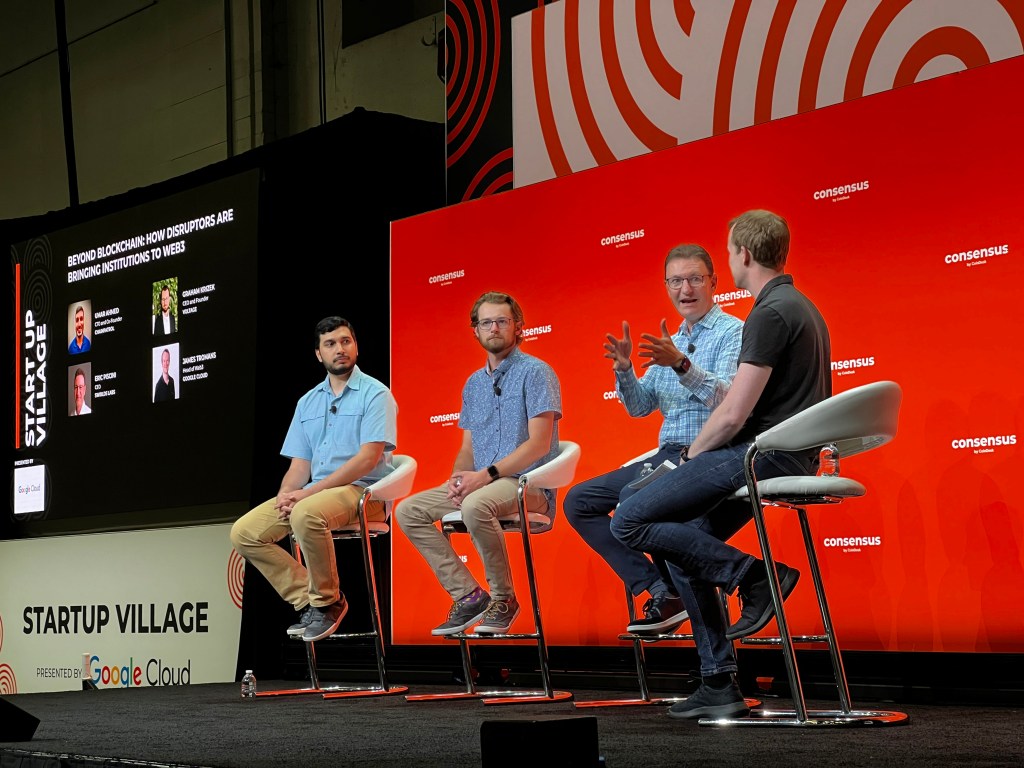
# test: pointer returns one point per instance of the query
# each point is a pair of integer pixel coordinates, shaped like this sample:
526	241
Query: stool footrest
507	636
778	640
829	718
653	638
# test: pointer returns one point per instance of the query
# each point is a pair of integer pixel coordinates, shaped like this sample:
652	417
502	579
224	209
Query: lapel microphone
691	349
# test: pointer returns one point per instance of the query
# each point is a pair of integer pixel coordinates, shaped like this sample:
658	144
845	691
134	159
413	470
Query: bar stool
395	486
855	421
556	473
639	640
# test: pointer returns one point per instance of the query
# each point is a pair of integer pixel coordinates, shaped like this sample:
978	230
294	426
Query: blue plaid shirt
686	400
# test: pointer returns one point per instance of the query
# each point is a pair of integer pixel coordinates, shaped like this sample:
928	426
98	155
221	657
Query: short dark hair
78	309
328	324
765	235
80	372
690	251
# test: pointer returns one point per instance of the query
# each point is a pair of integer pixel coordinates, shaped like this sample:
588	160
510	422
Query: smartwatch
684	454
683	366
493	472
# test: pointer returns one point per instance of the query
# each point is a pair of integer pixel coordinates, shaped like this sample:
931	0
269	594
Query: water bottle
249	685
828	461
648	469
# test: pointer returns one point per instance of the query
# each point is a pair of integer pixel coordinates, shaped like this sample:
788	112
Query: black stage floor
209	725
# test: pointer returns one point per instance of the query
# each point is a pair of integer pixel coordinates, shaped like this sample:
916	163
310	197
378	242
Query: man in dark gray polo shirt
510	413
686	516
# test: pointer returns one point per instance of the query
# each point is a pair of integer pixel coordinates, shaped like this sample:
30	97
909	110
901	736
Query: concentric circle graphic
8	683
236	577
613	79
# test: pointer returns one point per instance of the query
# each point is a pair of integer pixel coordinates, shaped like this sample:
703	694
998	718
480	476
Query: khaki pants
417	516
256	533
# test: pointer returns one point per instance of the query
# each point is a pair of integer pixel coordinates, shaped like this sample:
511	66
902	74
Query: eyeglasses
695	281
501	322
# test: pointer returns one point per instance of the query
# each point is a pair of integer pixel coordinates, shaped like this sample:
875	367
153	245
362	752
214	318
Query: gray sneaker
464	613
711	702
499	617
304	619
325	621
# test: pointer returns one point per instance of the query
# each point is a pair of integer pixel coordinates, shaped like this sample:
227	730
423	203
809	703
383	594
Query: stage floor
209	725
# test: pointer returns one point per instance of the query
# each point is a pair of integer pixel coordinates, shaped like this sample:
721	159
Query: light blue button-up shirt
327	429
686	400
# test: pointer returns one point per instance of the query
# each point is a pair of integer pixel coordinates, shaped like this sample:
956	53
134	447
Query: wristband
493	472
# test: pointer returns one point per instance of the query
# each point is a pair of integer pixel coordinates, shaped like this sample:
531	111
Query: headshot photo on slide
165	373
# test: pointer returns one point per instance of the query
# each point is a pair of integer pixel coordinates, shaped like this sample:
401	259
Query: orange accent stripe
488	70
545	114
1015	11
668	78
684	15
577	88
807	98
497	184
765	91
880	20
456	44
472	74
954	41
463	81
727	67
501	157
17	356
649	134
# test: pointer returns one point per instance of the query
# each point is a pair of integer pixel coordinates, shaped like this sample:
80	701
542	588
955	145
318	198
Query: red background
943	164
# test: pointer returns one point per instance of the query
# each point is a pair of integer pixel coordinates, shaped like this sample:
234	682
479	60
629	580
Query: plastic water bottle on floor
249	685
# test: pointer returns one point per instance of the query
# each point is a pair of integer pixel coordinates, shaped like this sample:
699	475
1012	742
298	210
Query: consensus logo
986	444
853	541
536	331
729	297
610	395
446	278
842	192
622	238
444	418
976	254
847	367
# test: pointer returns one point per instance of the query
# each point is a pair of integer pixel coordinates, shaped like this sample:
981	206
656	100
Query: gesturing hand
659	349
619	350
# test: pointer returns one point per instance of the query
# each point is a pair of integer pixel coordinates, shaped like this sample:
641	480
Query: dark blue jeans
587	507
685	518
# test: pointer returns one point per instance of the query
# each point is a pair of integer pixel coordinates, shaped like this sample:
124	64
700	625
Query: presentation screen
133	364
906	232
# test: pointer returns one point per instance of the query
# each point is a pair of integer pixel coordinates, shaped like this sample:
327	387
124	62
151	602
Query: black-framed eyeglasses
695	281
501	322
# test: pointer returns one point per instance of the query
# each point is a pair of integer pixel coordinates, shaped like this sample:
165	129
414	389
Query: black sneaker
663	614
464	613
711	702
325	621
499	617
304	619
756	599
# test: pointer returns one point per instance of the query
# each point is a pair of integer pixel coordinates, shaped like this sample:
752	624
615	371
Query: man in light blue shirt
686	376
340	440
510	413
